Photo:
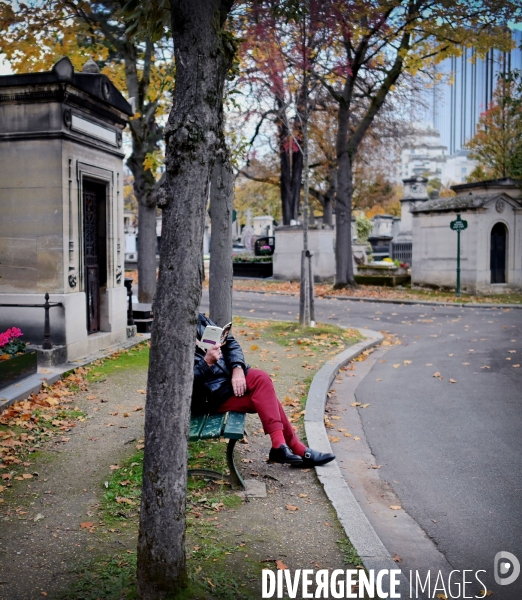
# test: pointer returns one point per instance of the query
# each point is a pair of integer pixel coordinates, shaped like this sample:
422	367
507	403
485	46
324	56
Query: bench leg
206	473
235	478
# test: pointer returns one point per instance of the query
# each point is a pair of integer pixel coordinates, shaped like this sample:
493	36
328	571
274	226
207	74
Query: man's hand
239	382
213	355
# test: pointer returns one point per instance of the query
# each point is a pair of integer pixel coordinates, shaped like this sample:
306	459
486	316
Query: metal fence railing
402	251
47	343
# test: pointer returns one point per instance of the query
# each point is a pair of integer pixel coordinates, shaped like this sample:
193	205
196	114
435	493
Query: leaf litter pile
369	291
28	424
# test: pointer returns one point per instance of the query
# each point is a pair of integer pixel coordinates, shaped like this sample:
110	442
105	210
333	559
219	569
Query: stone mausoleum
491	246
61	203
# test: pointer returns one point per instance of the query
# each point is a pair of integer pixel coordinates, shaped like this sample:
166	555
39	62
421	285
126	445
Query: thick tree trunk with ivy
221	206
202	53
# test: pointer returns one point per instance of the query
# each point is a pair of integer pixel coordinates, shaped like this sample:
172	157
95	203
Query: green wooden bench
230	425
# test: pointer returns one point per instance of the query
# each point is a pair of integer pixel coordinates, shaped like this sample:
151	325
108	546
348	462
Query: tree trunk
220	276
202	51
343	205
146	252
285	178
143	189
145	137
329	196
297	174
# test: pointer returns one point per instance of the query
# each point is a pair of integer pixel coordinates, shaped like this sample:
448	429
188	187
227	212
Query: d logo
502	567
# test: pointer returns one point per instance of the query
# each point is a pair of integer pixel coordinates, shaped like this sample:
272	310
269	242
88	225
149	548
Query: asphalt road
452	451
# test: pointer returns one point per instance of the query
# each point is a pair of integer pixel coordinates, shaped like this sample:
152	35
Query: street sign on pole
458	225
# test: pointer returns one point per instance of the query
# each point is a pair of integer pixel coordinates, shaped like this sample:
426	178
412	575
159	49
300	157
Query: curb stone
360	532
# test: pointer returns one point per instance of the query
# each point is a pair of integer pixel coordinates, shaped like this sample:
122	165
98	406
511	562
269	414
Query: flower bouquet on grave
11	344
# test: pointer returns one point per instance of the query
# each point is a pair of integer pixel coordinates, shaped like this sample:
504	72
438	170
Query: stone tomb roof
30	84
474	196
462	203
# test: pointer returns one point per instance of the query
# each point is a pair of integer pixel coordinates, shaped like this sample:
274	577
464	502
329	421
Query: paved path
452	452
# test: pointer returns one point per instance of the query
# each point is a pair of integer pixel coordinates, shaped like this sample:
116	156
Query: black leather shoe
284	456
313	458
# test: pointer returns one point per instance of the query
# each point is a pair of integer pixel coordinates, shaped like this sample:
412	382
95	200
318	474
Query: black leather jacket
213	385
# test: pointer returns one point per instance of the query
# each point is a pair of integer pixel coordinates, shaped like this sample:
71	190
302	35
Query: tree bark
202	50
221	205
330	196
285	161
343	206
147	242
145	137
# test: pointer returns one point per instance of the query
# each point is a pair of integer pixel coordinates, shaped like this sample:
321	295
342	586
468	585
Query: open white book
214	336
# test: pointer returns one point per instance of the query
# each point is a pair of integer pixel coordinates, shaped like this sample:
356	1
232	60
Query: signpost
458	225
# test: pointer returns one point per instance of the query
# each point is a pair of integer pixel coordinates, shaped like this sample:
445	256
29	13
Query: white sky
5	67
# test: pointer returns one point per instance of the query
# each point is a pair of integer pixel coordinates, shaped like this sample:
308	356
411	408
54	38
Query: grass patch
319	338
349	553
136	357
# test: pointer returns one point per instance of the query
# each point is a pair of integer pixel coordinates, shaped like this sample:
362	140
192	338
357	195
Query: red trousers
261	398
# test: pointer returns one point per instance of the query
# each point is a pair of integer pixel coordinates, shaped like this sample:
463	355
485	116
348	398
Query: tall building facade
456	106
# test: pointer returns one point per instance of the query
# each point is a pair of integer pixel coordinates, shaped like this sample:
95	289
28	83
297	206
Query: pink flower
9	336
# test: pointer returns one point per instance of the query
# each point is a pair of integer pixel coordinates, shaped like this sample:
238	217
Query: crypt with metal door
498	253
95	249
61	201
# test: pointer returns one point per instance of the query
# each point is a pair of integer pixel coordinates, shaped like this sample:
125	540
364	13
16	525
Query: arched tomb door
498	253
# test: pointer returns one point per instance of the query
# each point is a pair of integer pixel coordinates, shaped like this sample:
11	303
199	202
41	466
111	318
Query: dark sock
277	438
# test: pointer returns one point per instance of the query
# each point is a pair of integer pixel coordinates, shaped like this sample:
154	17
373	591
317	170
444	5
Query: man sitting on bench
224	382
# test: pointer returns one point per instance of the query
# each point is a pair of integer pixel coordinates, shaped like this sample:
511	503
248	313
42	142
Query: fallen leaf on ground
365	405
254	347
442	597
303	495
453	381
281	565
397	558
126	414
437	374
376	466
137	408
355	404
140	446
395	507
27	476
396	366
333	438
407	362
291	507
356	438
121	500
485	593
114	467
141	391
347	435
87	525
516	366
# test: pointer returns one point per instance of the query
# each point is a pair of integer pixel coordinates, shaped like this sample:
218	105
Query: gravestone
61	200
